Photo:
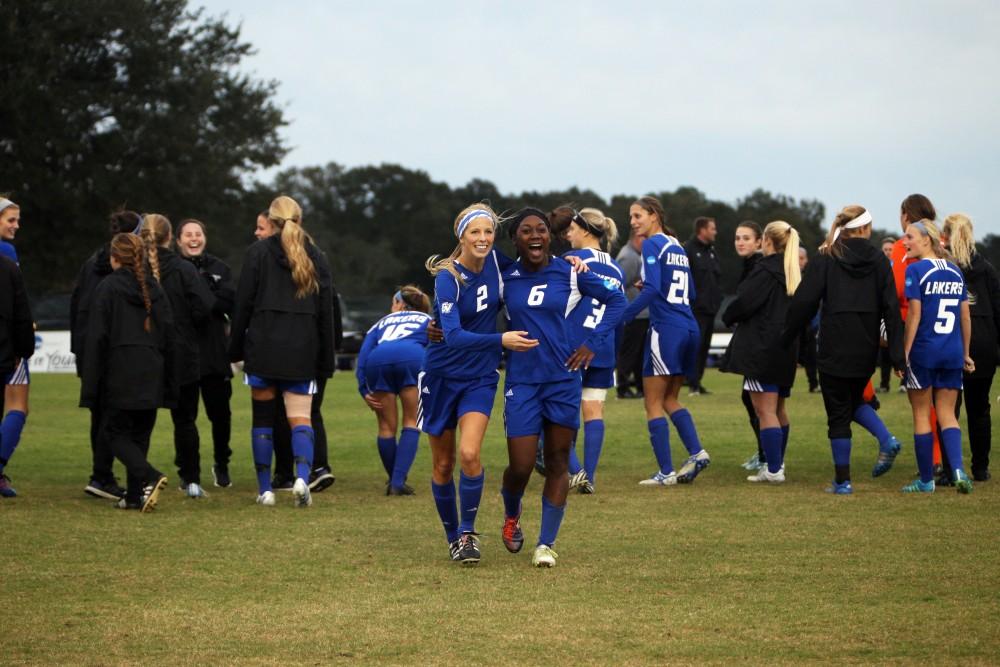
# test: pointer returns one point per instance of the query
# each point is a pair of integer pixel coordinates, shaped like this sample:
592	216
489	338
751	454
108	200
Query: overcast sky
846	102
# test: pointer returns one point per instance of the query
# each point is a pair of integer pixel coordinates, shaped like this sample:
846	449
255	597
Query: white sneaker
544	556
301	492
266	499
193	490
770	477
578	479
659	479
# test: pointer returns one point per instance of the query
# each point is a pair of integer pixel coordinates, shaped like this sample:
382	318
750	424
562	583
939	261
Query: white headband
860	221
6	203
469	217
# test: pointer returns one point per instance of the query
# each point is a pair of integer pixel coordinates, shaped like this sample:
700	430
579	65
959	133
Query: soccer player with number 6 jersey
938	330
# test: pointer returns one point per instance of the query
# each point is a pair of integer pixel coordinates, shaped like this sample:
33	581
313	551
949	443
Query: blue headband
398	296
922	227
138	228
469	217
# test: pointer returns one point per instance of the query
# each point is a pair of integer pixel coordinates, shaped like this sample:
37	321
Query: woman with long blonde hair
283	332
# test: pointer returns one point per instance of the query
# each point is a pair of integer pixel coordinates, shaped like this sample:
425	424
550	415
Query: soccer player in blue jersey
671	344
937	335
459	378
387	368
16	384
591	235
543	384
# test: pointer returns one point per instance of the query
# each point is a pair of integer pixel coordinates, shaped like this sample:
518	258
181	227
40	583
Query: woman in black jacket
191	305
17	342
984	306
214	384
102	482
853	281
283	331
128	367
747	243
756	350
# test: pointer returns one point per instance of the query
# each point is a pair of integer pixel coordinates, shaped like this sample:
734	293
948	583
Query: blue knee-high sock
470	493
405	453
869	420
10	435
444	500
951	440
263	450
303	439
574	460
841	459
593	441
686	430
659	437
511	503
552	517
387	452
770	440
923	448
784	440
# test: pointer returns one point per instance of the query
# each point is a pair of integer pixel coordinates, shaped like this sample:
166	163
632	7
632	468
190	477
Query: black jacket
275	334
984	307
706	273
213	341
93	271
857	291
191	305
17	334
748	265
759	309
125	367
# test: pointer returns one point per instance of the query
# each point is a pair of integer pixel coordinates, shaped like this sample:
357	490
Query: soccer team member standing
283	331
543	386
102	482
387	368
17	344
984	311
671	344
214	385
191	306
128	367
16	382
591	234
629	370
706	272
853	282
938	332
756	349
459	378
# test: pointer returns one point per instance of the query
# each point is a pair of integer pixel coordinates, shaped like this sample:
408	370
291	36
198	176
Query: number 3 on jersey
678	292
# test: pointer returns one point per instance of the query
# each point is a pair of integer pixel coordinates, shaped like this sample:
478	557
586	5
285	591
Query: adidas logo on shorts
510	392
425	390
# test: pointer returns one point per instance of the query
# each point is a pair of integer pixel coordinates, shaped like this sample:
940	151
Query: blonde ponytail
286	214
609	230
785	240
961	241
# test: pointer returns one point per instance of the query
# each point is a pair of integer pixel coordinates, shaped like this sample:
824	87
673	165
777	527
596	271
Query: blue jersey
667	288
7	250
396	338
539	302
586	316
940	288
467	313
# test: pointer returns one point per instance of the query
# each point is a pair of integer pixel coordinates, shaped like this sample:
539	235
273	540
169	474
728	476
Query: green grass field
715	572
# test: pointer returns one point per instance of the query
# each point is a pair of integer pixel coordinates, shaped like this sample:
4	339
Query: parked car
358	314
721	334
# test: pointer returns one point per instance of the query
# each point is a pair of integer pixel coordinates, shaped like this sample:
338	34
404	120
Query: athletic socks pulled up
593	442
574	460
841	459
785	430
659	438
470	493
923	448
262	442
10	435
869	420
406	451
771	441
685	429
303	441
951	443
552	517
444	500
387	452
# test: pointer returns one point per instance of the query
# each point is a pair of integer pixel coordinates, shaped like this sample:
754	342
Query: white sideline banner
52	353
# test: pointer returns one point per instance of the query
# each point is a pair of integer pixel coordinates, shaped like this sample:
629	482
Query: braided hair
128	251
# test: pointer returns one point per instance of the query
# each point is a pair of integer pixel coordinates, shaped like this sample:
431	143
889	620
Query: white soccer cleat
193	490
769	477
266	499
659	479
578	479
544	556
303	498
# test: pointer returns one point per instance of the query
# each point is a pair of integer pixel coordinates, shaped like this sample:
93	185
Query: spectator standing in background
706	273
629	371
884	362
807	341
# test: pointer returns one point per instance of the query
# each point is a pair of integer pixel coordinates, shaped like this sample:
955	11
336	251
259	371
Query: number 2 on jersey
481	295
678	292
